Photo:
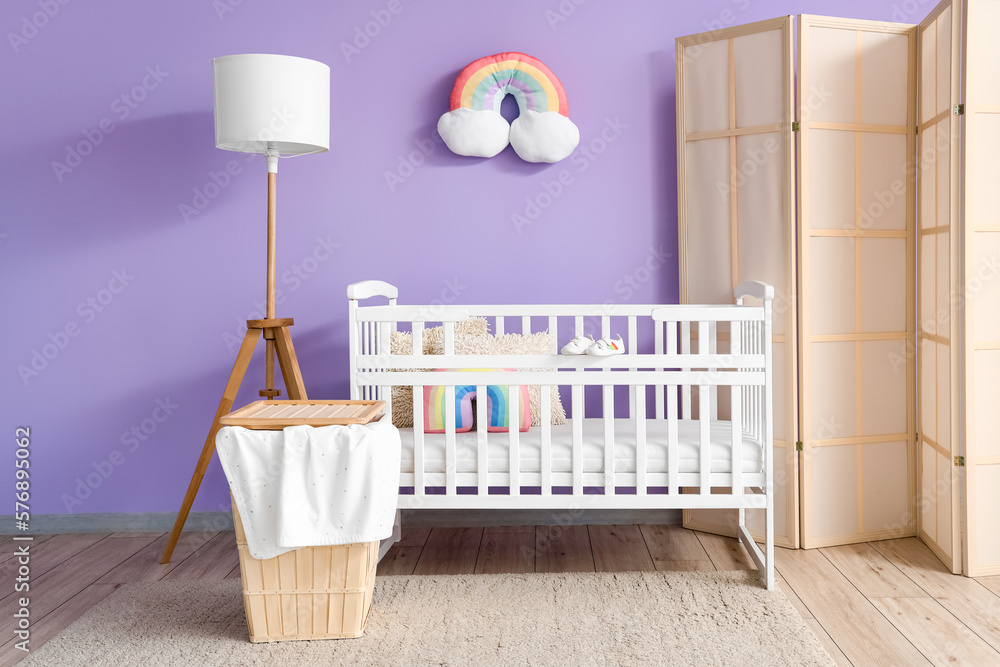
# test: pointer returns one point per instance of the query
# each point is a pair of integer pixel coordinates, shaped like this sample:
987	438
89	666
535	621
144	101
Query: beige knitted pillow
401	342
508	344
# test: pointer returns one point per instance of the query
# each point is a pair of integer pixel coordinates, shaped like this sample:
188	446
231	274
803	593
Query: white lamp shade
269	104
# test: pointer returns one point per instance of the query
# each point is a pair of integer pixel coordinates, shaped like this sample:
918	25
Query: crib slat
713	346
704	443
525	325
449	338
743	333
633	348
418	441
673	465
384	350
546	424
513	429
605	326
737	437
639	414
450	455
450	462
686	389
658	349
609	440
418	339
578	416
499	323
554	333
736	413
755	394
418	414
482	450
364	350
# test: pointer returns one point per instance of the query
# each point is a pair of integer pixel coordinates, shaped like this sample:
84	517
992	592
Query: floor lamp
277	106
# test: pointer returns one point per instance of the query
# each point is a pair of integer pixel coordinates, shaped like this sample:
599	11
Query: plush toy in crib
497	397
542	132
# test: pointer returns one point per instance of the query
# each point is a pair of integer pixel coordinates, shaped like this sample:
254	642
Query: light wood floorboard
942	638
674	549
965	598
507	553
46	556
215	559
858	628
992	583
48	627
563	549
792	596
8	544
871	573
398	560
727	553
450	551
619	549
146	565
827	642
884	603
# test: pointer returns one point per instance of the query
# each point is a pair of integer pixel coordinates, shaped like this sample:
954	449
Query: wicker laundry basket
311	593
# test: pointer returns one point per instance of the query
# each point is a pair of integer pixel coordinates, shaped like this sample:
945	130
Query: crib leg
769	538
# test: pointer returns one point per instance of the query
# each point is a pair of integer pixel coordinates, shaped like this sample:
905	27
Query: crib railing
685	366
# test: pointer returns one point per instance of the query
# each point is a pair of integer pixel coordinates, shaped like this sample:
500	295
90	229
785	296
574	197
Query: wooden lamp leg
225	405
289	364
278	340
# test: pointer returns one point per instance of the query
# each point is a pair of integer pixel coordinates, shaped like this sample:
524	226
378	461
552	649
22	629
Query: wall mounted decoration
474	127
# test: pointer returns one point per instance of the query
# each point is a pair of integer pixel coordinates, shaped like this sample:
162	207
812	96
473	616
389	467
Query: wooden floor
880	603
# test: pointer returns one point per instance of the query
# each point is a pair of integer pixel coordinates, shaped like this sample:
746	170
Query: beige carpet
654	618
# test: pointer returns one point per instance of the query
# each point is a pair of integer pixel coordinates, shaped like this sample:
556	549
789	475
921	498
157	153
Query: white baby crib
667	448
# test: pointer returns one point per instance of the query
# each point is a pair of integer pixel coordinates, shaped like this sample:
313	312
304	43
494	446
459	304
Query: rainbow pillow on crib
497	397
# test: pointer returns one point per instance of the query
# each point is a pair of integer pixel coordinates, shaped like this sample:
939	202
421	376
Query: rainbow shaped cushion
474	127
497	397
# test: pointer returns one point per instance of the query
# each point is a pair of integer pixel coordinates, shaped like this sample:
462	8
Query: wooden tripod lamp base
249	88
279	340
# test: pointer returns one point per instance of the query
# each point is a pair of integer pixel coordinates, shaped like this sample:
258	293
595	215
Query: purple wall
138	308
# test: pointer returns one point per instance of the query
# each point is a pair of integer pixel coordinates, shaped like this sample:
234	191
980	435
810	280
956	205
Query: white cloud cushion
543	137
474	133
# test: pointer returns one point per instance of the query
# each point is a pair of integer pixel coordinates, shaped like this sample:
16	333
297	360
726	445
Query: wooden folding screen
737	222
937	169
895	285
979	288
857	132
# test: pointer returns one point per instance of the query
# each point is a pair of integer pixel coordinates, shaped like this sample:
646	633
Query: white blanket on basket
308	486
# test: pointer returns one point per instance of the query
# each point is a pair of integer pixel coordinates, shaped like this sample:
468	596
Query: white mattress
530	446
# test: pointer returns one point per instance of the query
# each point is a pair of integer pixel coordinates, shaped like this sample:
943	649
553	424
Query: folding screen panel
736	222
939	60
857	119
979	285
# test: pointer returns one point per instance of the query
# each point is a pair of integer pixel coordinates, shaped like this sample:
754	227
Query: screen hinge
795	126
960	460
798	446
958	110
